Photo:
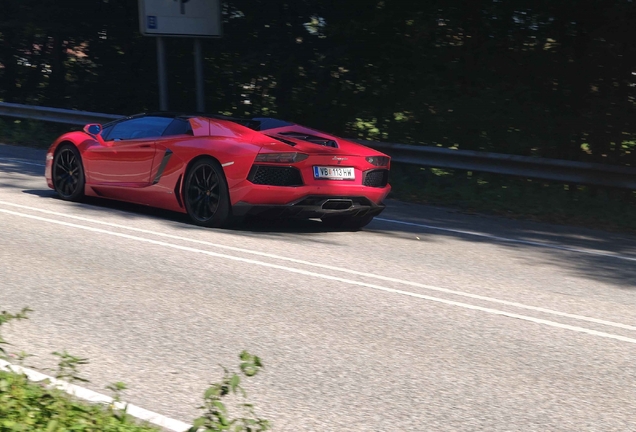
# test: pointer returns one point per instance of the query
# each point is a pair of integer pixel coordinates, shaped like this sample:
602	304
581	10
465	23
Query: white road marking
329	277
22	161
463	232
511	240
98	398
332	268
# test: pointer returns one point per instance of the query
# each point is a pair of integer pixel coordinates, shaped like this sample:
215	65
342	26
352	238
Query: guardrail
523	166
56	115
565	171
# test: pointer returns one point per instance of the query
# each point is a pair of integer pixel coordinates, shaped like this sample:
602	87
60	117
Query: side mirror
93	128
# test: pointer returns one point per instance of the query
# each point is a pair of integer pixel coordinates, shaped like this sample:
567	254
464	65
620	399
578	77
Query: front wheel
68	173
347	223
205	194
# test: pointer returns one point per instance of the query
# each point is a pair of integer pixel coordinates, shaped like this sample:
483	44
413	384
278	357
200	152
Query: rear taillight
378	160
286	158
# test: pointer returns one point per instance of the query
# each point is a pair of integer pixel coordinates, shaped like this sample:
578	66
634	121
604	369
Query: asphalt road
428	319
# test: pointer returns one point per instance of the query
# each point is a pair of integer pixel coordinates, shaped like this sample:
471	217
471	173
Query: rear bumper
313	206
248	192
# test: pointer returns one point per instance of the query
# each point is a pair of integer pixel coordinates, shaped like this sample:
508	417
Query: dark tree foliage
546	78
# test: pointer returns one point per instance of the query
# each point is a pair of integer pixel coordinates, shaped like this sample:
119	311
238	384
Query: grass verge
42	407
31	133
514	197
28	406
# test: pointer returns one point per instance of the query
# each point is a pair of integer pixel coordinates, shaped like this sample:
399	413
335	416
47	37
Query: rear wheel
347	223
205	194
68	173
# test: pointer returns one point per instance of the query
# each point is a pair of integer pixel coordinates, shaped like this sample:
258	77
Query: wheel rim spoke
204	193
212	205
67	173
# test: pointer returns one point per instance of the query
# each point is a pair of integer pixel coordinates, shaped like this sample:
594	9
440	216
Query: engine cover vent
311	138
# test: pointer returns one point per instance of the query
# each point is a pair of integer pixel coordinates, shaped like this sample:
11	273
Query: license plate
334	173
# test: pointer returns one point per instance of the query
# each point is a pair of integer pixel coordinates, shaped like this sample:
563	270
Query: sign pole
168	18
163	79
198	72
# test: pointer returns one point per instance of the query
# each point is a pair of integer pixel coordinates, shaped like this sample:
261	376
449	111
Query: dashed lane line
331	268
329	277
462	232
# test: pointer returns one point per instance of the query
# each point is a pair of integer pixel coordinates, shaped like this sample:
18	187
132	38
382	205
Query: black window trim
189	130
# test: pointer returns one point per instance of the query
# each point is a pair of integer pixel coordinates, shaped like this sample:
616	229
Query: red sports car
218	168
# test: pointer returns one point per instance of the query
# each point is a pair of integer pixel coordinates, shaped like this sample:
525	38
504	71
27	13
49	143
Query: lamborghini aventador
218	169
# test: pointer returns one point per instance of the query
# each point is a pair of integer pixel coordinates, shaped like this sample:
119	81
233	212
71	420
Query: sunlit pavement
426	320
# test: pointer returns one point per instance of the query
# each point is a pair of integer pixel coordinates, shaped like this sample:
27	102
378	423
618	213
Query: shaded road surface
427	320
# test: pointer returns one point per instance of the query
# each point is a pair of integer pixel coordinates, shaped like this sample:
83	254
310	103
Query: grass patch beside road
31	133
593	207
27	406
41	406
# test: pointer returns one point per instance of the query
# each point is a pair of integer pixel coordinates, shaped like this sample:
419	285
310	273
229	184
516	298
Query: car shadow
251	225
607	257
9	165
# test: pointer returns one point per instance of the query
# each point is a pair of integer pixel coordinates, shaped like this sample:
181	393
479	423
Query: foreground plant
28	406
216	416
6	317
40	406
67	367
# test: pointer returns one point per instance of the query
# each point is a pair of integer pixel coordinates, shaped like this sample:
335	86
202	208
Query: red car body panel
150	171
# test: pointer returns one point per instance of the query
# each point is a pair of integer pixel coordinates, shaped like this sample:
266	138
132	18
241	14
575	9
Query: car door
127	154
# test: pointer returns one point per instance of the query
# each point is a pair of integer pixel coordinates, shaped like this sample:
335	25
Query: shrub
40	407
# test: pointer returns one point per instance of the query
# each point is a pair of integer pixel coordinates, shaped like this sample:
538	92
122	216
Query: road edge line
94	397
593	252
330	267
329	277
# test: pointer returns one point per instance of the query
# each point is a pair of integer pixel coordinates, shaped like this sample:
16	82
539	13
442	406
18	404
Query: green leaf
234	382
211	391
220	406
198	423
258	362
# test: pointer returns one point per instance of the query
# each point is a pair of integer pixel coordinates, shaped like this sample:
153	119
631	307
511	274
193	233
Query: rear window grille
376	178
275	176
311	138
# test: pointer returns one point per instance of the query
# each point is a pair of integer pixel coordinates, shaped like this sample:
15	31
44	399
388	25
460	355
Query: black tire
205	194
68	173
347	223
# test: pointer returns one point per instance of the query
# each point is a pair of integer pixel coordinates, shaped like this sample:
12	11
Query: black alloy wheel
68	173
206	196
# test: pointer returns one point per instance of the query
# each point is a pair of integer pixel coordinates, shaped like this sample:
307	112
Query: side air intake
375	178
